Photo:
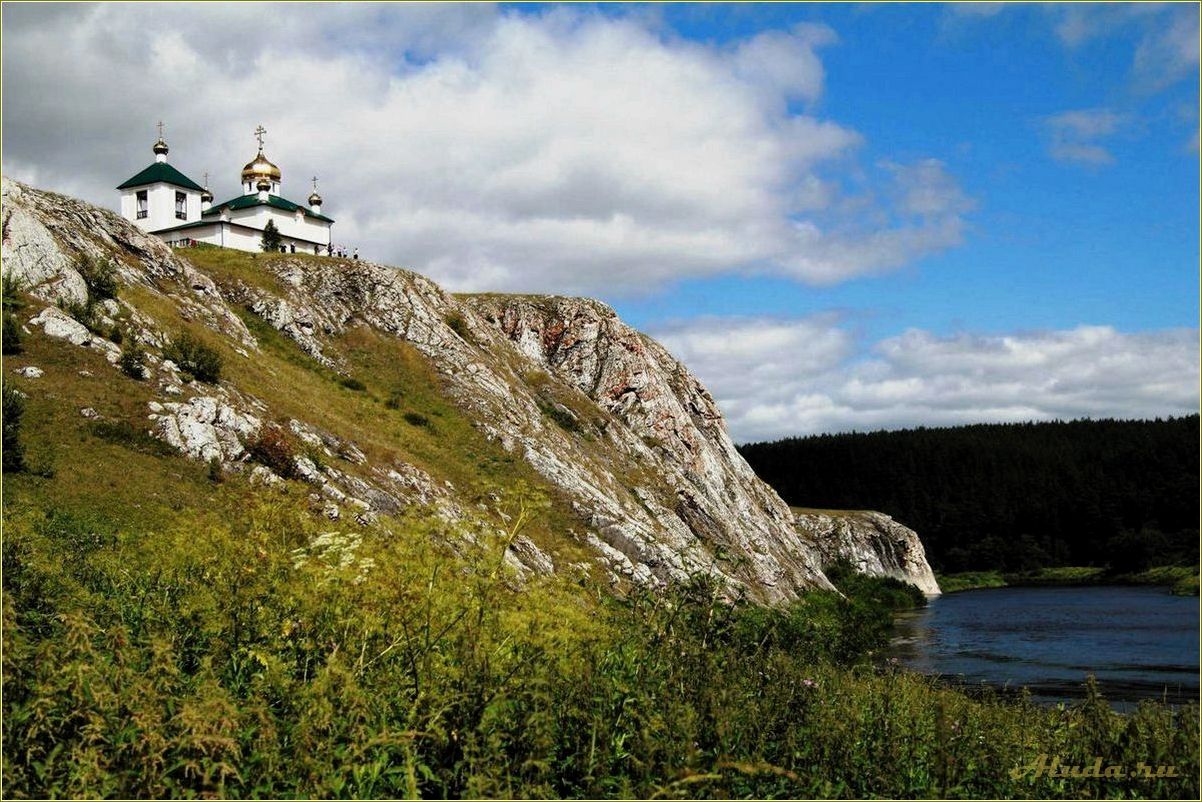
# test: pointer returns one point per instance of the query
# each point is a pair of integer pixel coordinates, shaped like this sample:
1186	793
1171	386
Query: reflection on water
1140	642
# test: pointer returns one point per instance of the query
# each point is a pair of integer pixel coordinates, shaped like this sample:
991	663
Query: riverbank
1181	580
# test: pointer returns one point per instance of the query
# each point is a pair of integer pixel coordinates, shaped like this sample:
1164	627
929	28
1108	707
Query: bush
563	417
215	475
194	358
394	399
271	238
457	324
351	383
100	277
275	449
133	362
12	334
82	311
12	289
416	419
14	410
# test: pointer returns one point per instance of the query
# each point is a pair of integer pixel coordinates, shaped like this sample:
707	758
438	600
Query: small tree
14	409
271	237
12	334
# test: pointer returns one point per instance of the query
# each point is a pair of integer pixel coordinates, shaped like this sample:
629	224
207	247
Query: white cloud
568	151
1074	136
775	378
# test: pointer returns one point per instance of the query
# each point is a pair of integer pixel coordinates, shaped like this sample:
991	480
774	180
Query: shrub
394	399
125	434
133	362
563	417
100	277
195	358
12	287
274	448
82	311
351	383
116	334
215	475
12	334
416	419
271	238
14	410
457	324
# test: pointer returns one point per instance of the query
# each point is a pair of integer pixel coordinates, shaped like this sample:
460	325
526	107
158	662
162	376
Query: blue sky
1051	244
839	216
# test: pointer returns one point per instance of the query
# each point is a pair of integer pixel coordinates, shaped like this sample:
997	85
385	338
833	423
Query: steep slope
389	392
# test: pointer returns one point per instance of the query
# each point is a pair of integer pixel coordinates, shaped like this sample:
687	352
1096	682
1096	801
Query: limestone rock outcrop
872	542
614	424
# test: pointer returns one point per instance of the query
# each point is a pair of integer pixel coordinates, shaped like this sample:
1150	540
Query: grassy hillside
171	631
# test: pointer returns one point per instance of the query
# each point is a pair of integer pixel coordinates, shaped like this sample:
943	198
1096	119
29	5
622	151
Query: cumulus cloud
1075	136
564	151
775	378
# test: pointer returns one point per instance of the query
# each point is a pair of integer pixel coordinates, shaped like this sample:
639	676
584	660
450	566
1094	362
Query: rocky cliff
872	542
618	431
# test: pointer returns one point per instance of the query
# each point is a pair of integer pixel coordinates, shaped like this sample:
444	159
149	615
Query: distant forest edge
1011	497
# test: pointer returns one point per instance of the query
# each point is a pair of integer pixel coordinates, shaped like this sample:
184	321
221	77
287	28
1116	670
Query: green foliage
133	361
100	276
351	383
458	325
271	238
126	435
12	287
215	475
194	358
416	419
1011	497
394	399
14	410
276	449
264	656
563	417
12	334
83	312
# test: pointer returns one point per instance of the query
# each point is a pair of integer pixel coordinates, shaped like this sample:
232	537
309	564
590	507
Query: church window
143	211
181	206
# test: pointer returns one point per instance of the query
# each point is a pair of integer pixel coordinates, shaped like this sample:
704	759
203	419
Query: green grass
1181	580
252	654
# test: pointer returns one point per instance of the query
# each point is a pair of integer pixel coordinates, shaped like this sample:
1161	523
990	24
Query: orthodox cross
314	183
259	135
160	129
206	179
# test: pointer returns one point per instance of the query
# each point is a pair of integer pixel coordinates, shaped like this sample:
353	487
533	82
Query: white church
163	201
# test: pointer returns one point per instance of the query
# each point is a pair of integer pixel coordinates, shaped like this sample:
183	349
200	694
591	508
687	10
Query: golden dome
263	185
315	199
260	168
206	196
159	147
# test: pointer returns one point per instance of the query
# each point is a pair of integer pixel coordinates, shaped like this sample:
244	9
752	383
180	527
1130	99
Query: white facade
155	206
165	202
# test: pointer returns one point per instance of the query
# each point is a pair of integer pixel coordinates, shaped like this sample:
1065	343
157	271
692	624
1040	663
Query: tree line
1011	497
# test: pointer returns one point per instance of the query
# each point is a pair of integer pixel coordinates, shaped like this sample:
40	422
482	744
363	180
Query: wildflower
809	683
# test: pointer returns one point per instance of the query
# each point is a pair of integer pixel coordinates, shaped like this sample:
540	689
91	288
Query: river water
1140	642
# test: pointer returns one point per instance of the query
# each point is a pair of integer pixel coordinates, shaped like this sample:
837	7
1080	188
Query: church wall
160	206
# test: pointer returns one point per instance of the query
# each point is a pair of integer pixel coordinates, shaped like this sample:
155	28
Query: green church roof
161	171
247	201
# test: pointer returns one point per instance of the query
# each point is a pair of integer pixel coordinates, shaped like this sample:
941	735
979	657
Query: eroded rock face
873	542
613	423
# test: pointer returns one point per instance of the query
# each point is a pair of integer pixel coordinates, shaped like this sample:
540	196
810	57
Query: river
1140	642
